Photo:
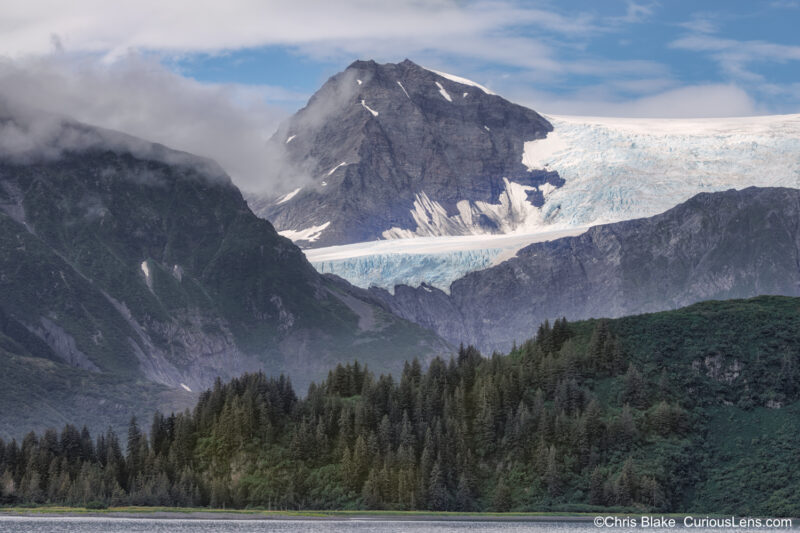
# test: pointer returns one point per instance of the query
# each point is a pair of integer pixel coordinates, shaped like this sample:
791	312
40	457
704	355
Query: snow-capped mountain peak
427	153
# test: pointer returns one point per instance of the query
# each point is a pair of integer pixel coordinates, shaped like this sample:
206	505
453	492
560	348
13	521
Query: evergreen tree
501	500
437	491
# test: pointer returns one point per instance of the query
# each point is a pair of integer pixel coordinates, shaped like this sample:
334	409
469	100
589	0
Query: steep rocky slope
129	259
396	150
731	244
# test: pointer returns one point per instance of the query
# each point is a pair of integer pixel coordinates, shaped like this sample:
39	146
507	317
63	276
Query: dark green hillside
752	461
739	352
694	410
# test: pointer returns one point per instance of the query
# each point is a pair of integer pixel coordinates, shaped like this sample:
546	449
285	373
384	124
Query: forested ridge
688	410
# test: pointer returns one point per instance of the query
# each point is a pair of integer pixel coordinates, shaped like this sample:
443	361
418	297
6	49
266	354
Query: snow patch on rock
288	196
334	169
147	277
513	213
308	234
404	89
368	108
459	79
444	93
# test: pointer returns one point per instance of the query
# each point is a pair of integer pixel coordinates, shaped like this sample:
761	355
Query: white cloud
735	57
486	30
692	101
700	24
637	12
203	26
227	123
742	61
642	86
747	50
785	4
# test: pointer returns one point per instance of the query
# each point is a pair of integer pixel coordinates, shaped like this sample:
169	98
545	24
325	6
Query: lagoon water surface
61	524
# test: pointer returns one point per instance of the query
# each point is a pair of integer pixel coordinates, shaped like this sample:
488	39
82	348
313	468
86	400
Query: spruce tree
501	499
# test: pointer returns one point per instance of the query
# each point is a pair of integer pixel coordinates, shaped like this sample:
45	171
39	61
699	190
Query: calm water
139	525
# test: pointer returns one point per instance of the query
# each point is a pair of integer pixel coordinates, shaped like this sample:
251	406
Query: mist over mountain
126	259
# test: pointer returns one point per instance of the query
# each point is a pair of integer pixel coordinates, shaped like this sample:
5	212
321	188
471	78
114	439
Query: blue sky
216	77
605	53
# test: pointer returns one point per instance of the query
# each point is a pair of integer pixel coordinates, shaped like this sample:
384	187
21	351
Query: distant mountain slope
40	391
397	150
730	244
130	259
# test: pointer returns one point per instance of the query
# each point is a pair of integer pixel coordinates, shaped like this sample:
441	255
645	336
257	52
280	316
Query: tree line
563	421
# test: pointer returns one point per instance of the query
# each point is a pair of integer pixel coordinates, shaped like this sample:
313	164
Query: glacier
434	261
388	270
614	169
619	169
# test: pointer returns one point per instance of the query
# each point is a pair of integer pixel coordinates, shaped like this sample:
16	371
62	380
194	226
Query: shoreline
145	513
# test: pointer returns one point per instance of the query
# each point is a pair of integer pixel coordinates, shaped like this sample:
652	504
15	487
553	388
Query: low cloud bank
227	123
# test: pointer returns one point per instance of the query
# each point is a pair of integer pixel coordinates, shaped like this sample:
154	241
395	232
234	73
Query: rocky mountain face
731	244
122	258
396	150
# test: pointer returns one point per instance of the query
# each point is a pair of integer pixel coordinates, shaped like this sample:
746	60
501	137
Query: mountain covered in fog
126	264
